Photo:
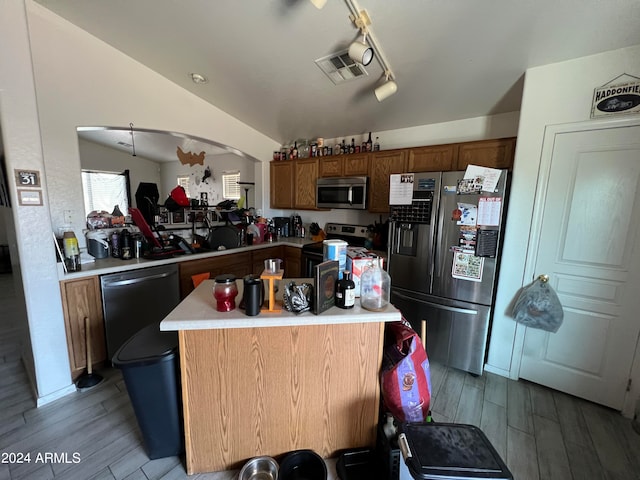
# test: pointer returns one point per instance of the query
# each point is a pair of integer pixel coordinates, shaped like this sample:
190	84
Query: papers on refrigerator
481	178
401	189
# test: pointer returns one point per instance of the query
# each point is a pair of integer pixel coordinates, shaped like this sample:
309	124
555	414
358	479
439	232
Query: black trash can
150	367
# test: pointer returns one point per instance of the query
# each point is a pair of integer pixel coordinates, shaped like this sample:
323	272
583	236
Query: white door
589	246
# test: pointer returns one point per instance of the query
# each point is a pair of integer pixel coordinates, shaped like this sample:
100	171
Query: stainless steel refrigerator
444	253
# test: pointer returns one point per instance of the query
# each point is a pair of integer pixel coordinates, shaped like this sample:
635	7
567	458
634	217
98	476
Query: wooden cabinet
305	176
331	166
487	153
292	262
354	165
382	164
432	159
282	184
238	264
82	299
293	182
259	256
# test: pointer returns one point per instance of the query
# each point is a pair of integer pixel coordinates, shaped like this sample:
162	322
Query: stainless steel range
312	253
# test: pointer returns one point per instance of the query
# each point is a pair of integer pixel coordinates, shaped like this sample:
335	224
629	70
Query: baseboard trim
41	401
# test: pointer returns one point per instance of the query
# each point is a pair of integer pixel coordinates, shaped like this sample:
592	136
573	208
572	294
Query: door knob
543	278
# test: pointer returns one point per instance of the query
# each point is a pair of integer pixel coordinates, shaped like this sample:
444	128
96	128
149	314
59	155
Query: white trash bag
538	306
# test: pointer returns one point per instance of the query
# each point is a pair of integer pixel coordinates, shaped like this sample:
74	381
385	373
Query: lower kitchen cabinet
259	256
290	256
292	262
81	299
238	264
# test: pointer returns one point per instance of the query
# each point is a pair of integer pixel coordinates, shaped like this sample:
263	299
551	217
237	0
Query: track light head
360	52
388	88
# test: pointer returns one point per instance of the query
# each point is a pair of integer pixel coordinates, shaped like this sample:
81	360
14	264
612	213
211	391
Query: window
230	186
183	181
105	190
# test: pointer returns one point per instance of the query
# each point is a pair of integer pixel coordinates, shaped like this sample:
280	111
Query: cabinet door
82	298
259	256
487	153
238	264
292	262
431	159
356	165
306	174
331	166
381	166
281	184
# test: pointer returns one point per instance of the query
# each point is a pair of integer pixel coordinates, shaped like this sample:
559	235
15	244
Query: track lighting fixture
388	88
363	52
360	52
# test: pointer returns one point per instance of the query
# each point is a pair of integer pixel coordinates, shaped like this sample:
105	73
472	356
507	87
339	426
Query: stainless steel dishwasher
132	300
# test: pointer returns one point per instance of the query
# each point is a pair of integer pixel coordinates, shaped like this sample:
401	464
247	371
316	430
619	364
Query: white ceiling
452	59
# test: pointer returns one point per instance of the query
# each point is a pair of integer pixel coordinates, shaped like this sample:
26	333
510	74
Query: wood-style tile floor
540	433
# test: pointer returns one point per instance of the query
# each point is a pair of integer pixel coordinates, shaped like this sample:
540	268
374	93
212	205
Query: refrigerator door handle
467	311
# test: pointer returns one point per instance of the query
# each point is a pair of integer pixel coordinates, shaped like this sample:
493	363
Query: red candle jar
225	291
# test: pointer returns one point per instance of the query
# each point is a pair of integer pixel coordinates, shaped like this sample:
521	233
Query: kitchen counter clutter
114	265
198	312
276	382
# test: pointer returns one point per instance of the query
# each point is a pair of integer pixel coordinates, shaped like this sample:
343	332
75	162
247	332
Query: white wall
29	235
218	164
553	94
78	81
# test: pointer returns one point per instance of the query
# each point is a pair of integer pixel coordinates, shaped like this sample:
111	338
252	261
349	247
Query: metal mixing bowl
259	468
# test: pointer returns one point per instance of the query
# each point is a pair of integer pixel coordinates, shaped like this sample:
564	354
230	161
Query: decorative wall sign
27	178
617	98
30	197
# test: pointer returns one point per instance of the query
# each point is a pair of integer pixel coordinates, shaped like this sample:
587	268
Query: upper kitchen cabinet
487	153
305	176
281	184
354	165
432	159
382	164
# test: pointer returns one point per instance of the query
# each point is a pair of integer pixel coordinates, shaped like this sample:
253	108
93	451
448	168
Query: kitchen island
276	382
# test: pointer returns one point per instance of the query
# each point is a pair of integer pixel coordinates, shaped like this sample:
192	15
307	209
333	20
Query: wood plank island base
276	382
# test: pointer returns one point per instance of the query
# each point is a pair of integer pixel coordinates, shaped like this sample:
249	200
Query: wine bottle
368	144
376	146
352	147
294	152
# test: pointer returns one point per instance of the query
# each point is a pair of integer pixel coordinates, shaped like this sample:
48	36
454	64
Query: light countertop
108	265
198	312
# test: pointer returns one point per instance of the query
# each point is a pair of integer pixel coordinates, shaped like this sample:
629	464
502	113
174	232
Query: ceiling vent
340	68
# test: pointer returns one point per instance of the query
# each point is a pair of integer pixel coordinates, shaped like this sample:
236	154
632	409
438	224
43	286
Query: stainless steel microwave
342	192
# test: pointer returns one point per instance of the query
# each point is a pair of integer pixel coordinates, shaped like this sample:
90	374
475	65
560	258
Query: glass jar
375	287
225	291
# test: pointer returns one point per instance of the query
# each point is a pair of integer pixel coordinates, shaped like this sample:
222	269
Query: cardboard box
357	259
